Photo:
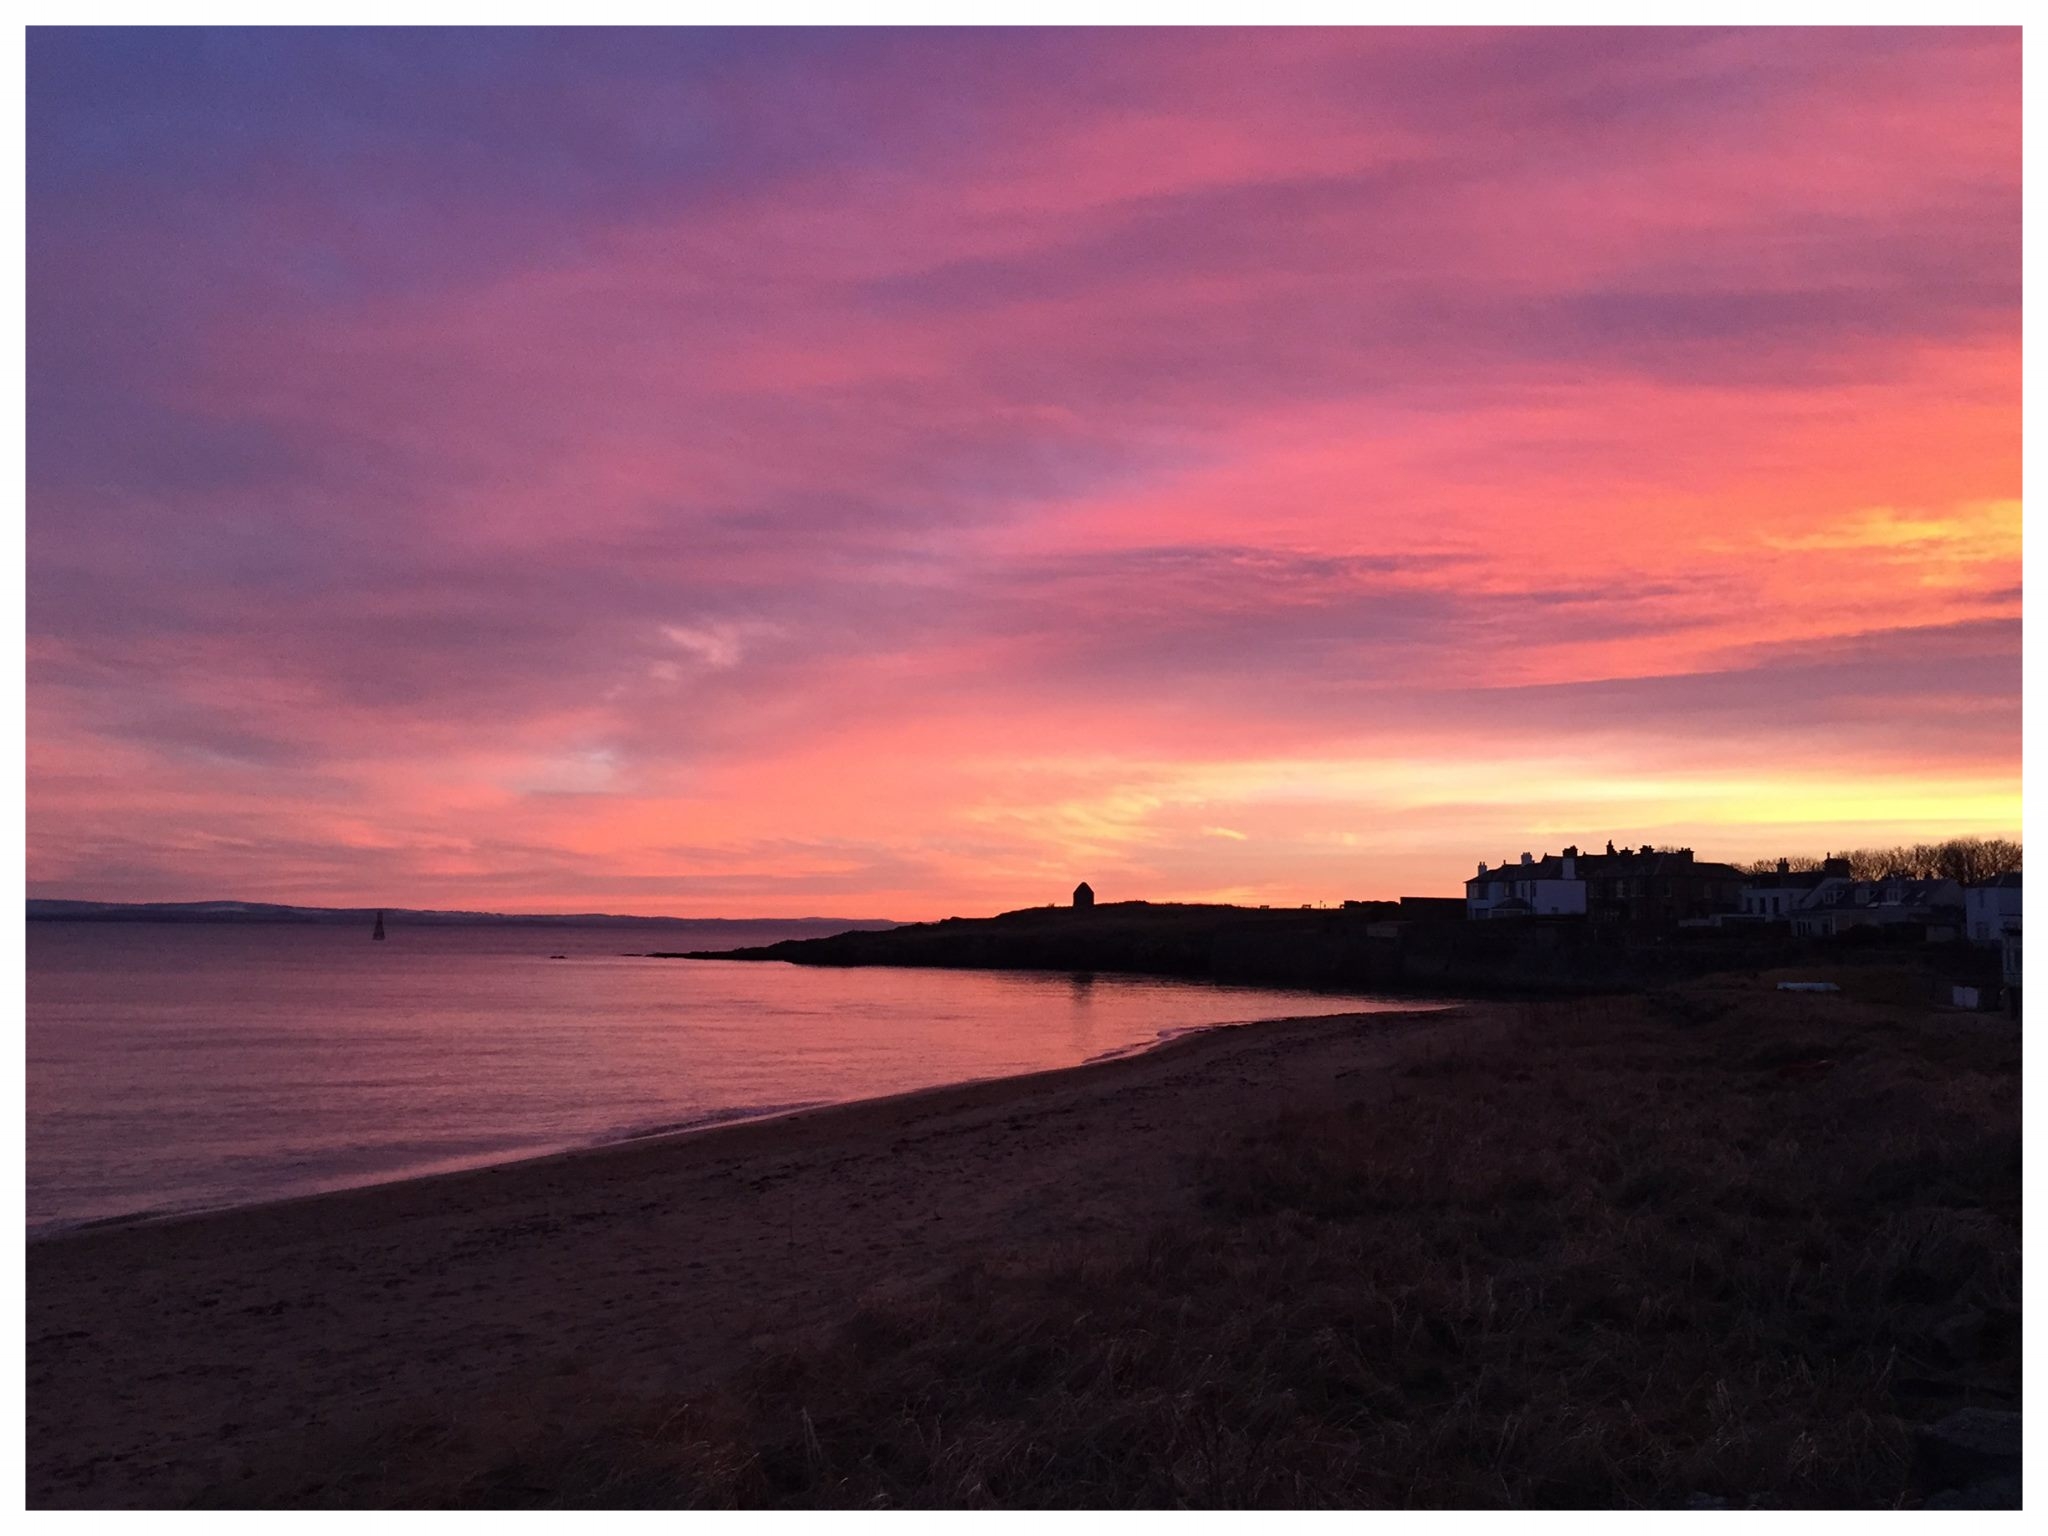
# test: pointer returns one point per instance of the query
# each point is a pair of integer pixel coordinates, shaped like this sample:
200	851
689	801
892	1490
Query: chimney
1526	859
1570	864
1784	866
1572	852
1482	869
1610	847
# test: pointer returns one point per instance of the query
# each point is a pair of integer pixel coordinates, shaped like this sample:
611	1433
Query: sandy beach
235	1354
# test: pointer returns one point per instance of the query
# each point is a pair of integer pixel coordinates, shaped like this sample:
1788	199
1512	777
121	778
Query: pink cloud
1038	477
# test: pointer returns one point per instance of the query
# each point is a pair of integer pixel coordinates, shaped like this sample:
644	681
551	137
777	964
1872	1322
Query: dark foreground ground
1717	1244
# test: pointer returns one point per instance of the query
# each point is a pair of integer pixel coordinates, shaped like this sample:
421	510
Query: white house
1990	910
1545	887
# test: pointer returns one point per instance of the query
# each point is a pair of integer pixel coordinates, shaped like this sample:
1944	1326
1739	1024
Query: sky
896	474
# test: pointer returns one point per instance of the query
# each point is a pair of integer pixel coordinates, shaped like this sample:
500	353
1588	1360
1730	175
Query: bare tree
1978	860
1965	860
2004	854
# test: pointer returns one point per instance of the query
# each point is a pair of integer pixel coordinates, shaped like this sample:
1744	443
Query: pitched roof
1549	867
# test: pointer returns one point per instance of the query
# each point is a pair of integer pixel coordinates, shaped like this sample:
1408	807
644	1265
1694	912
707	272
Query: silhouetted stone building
1084	895
1643	886
1659	887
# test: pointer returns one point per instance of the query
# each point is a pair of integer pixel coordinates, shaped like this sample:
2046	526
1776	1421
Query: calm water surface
180	1066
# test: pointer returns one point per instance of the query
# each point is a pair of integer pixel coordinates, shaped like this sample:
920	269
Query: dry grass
1716	1244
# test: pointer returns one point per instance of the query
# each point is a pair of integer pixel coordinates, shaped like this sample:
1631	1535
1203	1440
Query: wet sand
179	1360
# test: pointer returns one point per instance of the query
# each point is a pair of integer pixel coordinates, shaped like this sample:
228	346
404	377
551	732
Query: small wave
705	1122
1163	1037
60	1225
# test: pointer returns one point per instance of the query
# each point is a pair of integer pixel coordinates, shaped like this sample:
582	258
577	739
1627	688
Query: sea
179	1067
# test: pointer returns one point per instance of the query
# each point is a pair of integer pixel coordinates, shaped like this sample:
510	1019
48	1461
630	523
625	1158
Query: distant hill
1284	946
44	910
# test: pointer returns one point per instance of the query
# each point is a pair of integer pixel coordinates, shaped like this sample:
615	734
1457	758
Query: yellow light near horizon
1900	805
1410	803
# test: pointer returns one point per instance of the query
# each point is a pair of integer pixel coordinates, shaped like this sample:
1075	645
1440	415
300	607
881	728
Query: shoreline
452	1168
169	1360
712	1122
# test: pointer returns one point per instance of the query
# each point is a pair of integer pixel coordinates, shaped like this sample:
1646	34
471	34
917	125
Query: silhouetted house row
1633	885
1671	886
1820	903
1839	905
